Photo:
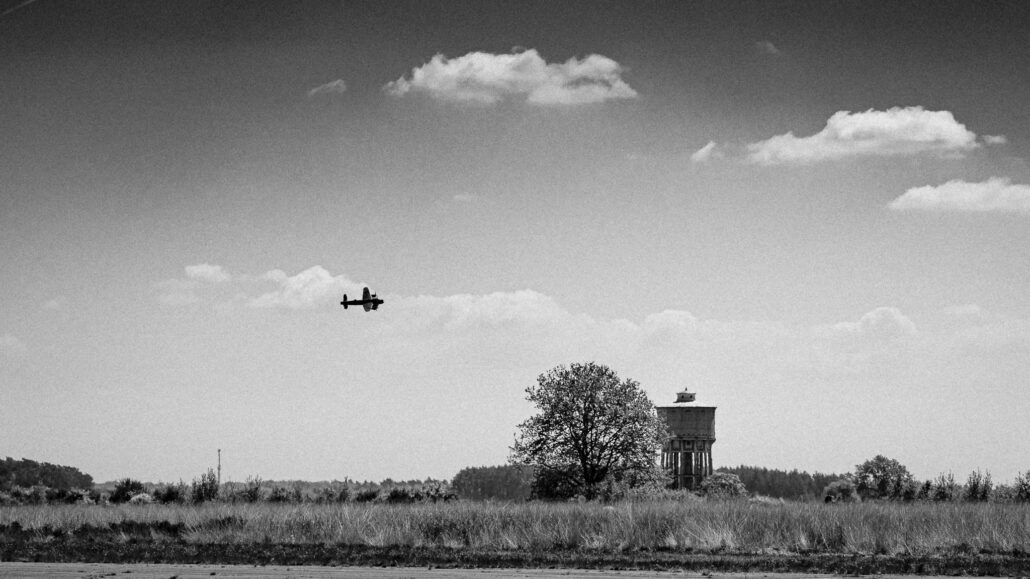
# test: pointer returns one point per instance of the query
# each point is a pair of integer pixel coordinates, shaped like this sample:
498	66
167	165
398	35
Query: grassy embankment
644	534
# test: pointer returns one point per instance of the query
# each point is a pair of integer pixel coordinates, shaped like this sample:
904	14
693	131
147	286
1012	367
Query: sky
815	215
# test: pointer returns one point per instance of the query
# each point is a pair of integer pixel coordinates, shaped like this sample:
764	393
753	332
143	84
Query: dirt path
98	570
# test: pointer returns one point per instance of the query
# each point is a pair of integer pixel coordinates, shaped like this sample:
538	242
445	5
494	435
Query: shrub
205	488
438	491
978	487
332	494
843	491
251	491
723	485
125	489
1021	487
141	499
399	495
170	493
651	494
945	488
366	495
925	491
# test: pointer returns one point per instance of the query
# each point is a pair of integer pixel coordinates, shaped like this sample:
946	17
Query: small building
687	453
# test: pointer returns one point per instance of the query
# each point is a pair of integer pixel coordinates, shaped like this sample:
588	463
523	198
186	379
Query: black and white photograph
535	288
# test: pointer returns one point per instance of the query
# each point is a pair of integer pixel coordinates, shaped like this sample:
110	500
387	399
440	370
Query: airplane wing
366	295
368	306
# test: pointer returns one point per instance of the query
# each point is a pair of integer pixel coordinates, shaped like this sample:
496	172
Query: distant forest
794	485
512	483
27	473
503	483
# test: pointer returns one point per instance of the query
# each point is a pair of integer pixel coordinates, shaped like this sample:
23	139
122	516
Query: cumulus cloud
896	131
12	347
706	153
884	323
995	139
335	87
207	272
310	288
766	47
484	78
996	194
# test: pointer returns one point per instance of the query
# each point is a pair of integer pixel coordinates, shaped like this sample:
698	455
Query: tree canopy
592	431
882	478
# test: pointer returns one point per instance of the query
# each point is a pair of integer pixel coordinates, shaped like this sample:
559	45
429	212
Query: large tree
592	431
882	478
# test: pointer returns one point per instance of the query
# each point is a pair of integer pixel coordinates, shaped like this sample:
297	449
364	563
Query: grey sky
813	214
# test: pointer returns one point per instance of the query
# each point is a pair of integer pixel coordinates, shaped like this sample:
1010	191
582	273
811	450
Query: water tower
687	453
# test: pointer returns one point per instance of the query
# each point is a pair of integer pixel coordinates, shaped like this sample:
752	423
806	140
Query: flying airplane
368	300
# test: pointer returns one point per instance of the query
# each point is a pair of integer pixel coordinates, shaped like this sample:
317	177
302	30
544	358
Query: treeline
27	473
515	483
504	483
781	484
206	488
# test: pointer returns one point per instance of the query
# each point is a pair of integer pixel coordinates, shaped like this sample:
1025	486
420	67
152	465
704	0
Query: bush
438	491
251	491
125	489
366	495
170	493
978	487
651	494
141	499
332	494
841	491
1021	488
945	488
723	485
205	488
398	495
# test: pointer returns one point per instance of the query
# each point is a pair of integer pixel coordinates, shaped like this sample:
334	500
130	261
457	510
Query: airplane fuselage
368	300
374	303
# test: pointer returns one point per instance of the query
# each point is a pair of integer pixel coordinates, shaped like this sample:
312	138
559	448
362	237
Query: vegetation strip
85	551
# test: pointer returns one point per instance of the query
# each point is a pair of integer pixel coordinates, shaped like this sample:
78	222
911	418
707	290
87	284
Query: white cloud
896	131
994	195
705	153
995	139
310	288
464	198
335	87
207	272
766	47
883	323
12	347
484	78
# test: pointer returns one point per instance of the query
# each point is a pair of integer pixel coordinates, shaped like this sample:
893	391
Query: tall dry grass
890	528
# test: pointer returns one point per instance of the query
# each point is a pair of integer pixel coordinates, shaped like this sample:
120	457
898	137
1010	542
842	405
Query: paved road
98	570
89	570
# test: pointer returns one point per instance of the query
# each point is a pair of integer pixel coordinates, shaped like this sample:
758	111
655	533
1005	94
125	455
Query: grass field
739	526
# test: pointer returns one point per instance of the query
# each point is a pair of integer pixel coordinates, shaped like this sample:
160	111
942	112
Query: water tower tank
687	453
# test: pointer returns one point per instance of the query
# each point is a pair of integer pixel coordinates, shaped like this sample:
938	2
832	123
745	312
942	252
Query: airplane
368	300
